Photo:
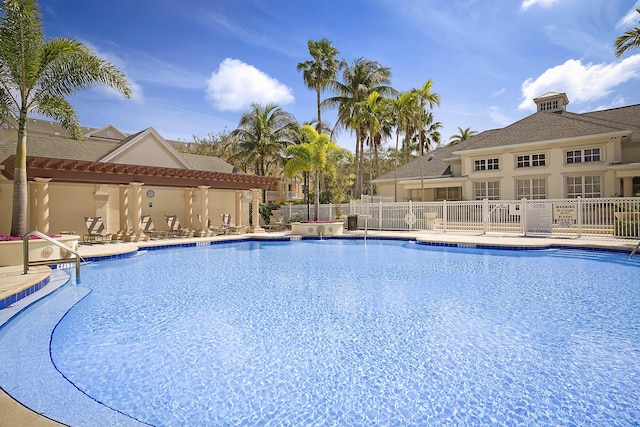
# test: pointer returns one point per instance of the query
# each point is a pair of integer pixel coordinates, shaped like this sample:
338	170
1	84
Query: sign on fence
565	214
539	218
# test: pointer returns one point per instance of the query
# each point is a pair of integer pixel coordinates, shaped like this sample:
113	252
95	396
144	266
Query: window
586	187
486	164
549	105
535	188
449	193
586	155
531	160
487	190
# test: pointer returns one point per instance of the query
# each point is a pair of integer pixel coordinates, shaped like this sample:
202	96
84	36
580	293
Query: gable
147	148
107	132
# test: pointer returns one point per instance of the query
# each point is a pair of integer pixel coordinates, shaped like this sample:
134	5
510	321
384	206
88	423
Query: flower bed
11	250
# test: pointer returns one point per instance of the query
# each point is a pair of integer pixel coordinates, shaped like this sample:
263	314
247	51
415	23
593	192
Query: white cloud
526	4
236	85
496	114
581	82
630	19
121	64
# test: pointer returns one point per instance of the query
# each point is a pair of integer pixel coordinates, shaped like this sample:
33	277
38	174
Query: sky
196	65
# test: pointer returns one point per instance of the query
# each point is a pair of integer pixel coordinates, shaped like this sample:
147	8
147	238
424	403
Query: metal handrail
635	250
43	236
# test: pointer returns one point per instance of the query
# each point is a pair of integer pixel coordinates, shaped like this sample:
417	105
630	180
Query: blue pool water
340	332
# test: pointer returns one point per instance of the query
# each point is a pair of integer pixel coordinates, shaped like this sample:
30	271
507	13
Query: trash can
352	222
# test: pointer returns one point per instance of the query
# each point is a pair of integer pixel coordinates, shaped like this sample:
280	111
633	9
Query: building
120	177
551	154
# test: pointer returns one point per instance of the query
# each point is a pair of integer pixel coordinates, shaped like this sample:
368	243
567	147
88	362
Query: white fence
606	218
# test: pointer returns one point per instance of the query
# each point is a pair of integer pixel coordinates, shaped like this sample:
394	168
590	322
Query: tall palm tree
262	134
37	75
628	40
462	135
374	118
316	155
323	68
359	80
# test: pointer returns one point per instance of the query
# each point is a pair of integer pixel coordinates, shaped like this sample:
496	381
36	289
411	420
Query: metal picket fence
602	218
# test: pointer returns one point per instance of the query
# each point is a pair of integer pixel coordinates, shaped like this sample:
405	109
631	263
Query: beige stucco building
120	178
551	154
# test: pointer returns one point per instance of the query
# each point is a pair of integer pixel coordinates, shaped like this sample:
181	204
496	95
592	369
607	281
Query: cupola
553	102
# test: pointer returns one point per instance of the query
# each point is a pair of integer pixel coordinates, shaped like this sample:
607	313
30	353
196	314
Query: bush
627	228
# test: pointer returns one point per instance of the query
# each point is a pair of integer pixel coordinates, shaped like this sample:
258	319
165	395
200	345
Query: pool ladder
27	263
635	250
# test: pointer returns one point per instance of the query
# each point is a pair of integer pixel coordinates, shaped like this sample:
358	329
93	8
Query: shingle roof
92	150
538	127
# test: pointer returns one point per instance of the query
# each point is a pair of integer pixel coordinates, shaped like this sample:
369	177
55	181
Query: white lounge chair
96	232
226	223
175	229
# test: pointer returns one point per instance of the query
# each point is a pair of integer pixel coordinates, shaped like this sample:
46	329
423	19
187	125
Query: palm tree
373	116
262	134
463	135
318	72
358	81
318	154
401	111
37	75
628	40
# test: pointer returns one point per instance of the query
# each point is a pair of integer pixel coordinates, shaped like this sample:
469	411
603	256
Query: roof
48	140
433	167
538	127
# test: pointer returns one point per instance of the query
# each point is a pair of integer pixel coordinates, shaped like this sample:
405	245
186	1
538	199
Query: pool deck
12	281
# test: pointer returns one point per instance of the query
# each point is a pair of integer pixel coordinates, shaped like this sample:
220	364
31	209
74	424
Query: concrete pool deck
13	281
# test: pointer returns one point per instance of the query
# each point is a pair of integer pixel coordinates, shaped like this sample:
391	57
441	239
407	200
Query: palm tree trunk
316	199
319	126
356	165
20	194
371	142
395	170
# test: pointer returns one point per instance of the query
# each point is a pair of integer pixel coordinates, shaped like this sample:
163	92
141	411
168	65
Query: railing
617	217
27	263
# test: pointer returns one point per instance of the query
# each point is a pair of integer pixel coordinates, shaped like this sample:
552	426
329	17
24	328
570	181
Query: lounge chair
226	223
149	228
270	226
175	229
210	227
96	232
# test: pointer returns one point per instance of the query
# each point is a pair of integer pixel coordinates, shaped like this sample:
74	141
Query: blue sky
196	65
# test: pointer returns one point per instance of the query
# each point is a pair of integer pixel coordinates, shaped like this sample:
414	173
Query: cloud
581	82
526	4
237	85
496	114
630	19
121	64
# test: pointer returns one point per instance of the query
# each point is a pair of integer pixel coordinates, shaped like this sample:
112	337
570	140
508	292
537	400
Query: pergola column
188	207
123	207
42	204
627	186
238	207
203	191
136	210
255	221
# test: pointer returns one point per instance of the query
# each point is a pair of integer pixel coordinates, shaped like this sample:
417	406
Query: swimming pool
341	332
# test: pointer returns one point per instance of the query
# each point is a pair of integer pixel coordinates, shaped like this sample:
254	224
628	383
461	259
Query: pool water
341	332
